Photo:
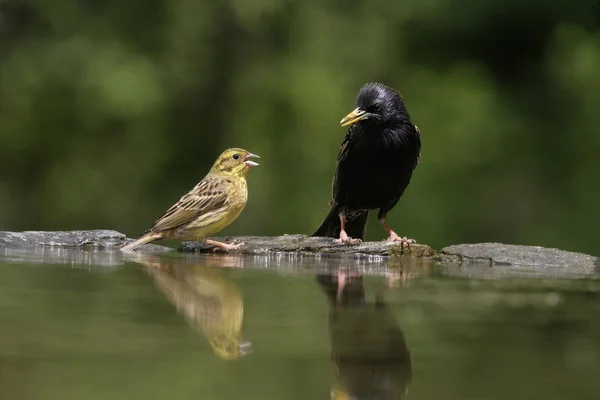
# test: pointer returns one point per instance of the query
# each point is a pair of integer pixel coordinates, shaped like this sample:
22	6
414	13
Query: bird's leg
393	235
225	246
344	238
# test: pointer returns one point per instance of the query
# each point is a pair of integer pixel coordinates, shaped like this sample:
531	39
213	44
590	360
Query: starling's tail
146	238
330	227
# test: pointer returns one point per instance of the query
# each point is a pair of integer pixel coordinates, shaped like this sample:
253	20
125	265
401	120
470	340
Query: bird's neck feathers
400	134
394	134
240	170
399	117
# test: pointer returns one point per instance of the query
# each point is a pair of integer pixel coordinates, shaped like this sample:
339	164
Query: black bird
374	166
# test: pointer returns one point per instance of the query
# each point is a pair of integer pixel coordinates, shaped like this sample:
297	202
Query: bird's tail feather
147	238
330	227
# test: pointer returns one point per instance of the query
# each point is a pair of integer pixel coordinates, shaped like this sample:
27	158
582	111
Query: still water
78	324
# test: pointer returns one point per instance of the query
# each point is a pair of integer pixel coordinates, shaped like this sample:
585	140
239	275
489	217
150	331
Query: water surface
79	324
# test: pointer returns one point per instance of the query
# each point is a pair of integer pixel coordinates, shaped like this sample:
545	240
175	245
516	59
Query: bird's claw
402	240
233	245
226	246
344	238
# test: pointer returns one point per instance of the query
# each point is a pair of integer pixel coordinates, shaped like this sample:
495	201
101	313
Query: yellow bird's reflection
369	353
211	303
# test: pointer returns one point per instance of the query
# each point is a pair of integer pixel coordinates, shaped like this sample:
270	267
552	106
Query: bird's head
234	162
229	348
377	104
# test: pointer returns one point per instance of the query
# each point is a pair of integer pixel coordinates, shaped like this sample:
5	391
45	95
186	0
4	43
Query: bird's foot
344	238
229	246
225	246
402	240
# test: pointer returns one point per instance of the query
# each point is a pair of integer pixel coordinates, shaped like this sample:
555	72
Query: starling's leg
344	238
225	246
393	236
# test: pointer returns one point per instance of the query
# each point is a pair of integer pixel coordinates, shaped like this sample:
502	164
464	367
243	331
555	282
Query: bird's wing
419	156
208	195
342	154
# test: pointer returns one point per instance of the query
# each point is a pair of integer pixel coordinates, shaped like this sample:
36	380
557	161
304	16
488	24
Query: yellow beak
354	116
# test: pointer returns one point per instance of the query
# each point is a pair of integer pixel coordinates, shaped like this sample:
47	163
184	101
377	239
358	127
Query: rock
497	254
294	246
303	244
20	243
413	251
100	238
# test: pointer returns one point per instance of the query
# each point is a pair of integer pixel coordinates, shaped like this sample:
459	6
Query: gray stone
303	244
99	239
498	254
254	245
14	244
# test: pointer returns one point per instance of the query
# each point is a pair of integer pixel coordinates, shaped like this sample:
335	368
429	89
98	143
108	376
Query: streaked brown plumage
213	204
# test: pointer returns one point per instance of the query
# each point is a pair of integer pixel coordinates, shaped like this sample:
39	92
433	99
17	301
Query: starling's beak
354	116
251	163
245	348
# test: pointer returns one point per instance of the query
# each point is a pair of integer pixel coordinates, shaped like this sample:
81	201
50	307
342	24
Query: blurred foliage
111	110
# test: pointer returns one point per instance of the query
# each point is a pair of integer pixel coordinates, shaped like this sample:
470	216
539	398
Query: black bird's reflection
211	303
369	352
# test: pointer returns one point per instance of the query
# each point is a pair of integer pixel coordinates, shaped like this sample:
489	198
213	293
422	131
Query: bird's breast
375	169
238	197
214	221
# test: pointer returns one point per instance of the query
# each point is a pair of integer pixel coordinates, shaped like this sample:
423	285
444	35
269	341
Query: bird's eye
236	156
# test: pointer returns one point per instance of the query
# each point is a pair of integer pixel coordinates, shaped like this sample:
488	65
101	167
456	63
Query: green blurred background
111	110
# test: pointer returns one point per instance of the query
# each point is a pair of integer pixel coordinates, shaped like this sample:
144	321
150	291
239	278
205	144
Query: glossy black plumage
375	163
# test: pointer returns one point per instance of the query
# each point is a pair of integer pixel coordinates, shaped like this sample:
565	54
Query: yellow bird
213	204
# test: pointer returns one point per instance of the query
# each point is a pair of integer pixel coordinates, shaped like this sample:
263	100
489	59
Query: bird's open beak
251	163
245	348
354	116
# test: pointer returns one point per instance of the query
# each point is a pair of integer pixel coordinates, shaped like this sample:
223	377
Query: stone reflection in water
369	353
210	302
